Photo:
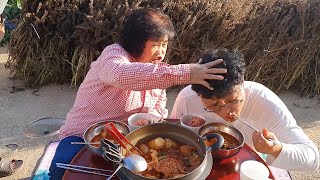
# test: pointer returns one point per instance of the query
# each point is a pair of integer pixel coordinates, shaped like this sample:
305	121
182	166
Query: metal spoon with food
132	162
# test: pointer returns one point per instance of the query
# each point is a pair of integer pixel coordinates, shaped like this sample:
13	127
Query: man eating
256	105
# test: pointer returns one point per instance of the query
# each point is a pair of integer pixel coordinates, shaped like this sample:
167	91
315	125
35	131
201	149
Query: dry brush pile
57	40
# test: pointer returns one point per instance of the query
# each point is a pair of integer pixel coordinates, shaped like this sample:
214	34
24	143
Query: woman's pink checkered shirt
116	87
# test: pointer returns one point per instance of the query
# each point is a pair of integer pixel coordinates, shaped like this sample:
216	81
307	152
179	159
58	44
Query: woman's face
232	103
154	51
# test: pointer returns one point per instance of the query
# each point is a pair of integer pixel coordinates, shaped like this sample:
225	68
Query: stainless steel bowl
221	127
96	129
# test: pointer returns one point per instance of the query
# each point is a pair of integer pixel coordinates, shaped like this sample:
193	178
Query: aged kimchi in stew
168	158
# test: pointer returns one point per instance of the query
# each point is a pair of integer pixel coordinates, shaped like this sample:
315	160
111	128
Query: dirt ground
19	106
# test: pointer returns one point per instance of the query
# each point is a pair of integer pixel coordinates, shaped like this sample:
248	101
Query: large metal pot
178	133
222	127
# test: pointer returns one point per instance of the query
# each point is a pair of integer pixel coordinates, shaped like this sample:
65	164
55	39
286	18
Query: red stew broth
230	142
102	135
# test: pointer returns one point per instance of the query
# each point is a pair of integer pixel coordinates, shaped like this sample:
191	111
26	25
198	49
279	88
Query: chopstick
114	131
82	169
237	117
110	130
255	129
85	143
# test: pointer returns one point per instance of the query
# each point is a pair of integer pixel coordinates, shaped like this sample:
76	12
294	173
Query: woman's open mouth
156	60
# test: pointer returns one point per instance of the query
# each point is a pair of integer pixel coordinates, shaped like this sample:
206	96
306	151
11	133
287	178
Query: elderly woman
129	77
254	104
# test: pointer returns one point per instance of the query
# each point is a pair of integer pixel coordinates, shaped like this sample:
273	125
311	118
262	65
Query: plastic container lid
44	127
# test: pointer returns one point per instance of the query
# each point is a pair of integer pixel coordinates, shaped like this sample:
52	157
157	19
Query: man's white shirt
262	109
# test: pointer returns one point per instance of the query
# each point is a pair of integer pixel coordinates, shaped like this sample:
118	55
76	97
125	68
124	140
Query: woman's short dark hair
143	25
233	61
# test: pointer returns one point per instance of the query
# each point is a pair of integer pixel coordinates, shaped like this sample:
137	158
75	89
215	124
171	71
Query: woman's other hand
200	72
263	145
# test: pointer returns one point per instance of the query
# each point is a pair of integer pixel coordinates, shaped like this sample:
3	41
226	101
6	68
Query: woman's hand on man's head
200	72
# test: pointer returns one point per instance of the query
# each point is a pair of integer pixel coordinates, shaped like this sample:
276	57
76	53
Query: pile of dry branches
57	40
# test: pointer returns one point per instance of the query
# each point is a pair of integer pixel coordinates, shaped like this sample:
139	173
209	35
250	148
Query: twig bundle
280	38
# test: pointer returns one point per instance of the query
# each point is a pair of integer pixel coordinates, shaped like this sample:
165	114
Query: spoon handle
83	167
81	170
118	168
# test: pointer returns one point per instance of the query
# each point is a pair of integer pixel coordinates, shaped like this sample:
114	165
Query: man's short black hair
142	25
233	61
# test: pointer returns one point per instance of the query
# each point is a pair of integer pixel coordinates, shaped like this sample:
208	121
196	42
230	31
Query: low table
227	169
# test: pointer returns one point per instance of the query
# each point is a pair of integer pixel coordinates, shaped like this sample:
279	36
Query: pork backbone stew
168	158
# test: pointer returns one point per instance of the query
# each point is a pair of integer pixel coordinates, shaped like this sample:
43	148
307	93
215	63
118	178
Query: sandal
8	150
8	167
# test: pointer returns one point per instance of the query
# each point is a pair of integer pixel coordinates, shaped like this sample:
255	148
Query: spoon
132	162
135	162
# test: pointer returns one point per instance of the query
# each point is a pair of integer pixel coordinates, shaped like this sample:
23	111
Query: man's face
232	103
154	51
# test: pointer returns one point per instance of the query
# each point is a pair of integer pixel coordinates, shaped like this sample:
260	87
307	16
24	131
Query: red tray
223	170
